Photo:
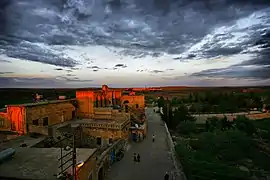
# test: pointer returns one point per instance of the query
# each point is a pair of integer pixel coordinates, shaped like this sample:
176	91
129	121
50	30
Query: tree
182	114
186	127
175	101
190	98
192	108
244	124
161	102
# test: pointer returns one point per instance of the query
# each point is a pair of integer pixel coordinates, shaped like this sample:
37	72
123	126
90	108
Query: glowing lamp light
80	164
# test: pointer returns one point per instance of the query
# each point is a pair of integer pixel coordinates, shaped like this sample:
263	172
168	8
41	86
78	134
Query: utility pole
74	156
168	112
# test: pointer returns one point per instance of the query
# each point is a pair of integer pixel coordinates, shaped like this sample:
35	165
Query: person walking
134	157
138	157
167	176
153	138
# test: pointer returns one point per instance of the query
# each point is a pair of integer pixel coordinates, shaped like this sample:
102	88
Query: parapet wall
178	167
259	116
110	114
231	116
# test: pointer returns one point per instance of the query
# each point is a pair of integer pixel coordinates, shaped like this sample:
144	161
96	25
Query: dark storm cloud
223	51
39	55
156	71
93	67
73	79
139	53
6	73
189	29
258	67
11	82
4	61
263	58
73	68
249	72
120	66
71	75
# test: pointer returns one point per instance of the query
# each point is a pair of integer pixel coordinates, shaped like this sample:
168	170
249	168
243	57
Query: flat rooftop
98	121
141	127
38	163
85	121
16	142
40	103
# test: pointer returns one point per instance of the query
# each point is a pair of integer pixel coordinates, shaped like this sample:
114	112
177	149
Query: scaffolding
69	159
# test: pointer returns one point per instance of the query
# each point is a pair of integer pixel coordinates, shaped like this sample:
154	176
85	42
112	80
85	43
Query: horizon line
138	87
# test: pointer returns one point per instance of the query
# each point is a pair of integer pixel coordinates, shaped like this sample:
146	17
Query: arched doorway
126	102
100	174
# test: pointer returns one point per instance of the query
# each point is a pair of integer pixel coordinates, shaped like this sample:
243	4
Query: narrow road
155	157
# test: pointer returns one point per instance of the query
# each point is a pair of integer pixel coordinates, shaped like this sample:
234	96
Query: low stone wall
38	129
104	160
259	116
176	163
253	116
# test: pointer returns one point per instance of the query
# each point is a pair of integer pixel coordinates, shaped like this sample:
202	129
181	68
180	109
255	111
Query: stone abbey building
104	116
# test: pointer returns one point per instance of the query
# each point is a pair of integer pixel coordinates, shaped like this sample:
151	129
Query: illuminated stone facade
93	105
89	101
100	114
36	117
133	101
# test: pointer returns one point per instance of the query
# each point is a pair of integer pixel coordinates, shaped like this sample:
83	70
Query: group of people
136	157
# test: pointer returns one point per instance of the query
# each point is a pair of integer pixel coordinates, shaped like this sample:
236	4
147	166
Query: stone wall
85	107
177	165
5	124
16	117
38	129
230	116
106	134
110	114
55	113
88	169
103	113
133	101
259	116
104	160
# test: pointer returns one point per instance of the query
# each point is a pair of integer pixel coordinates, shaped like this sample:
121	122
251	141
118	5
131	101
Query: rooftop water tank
6	154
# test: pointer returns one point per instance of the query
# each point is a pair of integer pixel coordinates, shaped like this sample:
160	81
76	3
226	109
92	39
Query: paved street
155	157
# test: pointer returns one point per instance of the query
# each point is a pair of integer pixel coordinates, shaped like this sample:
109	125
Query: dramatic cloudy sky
77	43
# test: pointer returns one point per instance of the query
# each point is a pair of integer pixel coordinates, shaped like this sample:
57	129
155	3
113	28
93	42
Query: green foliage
244	124
224	145
173	118
161	102
186	128
217	152
227	102
204	160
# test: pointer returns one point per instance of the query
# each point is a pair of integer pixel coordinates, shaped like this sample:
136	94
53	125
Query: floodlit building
105	120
